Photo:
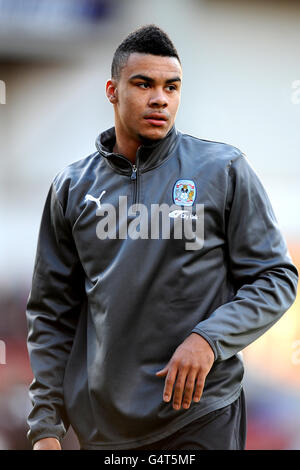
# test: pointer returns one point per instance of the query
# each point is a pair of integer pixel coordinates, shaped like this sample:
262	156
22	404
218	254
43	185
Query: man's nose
158	99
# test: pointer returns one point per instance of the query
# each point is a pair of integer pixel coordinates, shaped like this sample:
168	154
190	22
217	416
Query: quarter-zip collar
148	156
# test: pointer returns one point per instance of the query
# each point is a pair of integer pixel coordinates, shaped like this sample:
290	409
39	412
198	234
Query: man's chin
152	137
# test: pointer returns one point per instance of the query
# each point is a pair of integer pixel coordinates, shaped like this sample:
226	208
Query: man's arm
55	301
266	286
259	265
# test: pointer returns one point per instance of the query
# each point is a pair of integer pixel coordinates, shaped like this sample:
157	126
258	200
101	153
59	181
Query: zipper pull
133	174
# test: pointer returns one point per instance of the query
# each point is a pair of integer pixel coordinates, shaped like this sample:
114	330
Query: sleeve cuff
208	339
38	437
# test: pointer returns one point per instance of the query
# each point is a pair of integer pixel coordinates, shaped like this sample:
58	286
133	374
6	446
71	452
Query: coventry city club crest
184	192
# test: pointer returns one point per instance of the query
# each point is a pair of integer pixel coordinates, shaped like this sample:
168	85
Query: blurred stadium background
241	73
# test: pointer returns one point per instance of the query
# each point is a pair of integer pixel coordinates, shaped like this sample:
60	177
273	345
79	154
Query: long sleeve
54	304
259	267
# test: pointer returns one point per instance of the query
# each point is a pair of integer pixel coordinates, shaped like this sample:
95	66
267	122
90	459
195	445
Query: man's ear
111	91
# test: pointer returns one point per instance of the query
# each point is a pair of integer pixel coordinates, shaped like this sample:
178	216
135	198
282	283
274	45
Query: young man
159	259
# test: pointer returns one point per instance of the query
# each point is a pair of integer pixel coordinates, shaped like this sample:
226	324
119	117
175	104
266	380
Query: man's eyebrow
151	80
142	77
175	79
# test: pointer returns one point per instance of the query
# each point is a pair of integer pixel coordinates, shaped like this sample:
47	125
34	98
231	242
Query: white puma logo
89	197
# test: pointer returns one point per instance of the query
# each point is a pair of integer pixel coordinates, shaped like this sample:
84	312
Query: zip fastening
133	174
135	178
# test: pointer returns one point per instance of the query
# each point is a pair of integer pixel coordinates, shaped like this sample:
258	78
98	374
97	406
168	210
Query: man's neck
128	149
125	145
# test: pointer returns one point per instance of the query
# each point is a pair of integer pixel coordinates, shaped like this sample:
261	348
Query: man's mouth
156	119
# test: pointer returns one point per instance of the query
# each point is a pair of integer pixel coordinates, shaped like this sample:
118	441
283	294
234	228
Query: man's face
147	96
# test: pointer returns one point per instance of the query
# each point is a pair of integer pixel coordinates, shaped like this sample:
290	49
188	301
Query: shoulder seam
214	142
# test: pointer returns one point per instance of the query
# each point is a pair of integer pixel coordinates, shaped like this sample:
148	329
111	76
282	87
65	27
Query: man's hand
189	366
48	443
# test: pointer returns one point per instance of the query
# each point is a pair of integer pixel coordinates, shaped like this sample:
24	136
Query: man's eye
171	87
143	85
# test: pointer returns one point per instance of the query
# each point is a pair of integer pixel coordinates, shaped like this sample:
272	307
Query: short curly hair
149	39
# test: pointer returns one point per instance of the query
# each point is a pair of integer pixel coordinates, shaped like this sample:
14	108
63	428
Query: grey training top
114	292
